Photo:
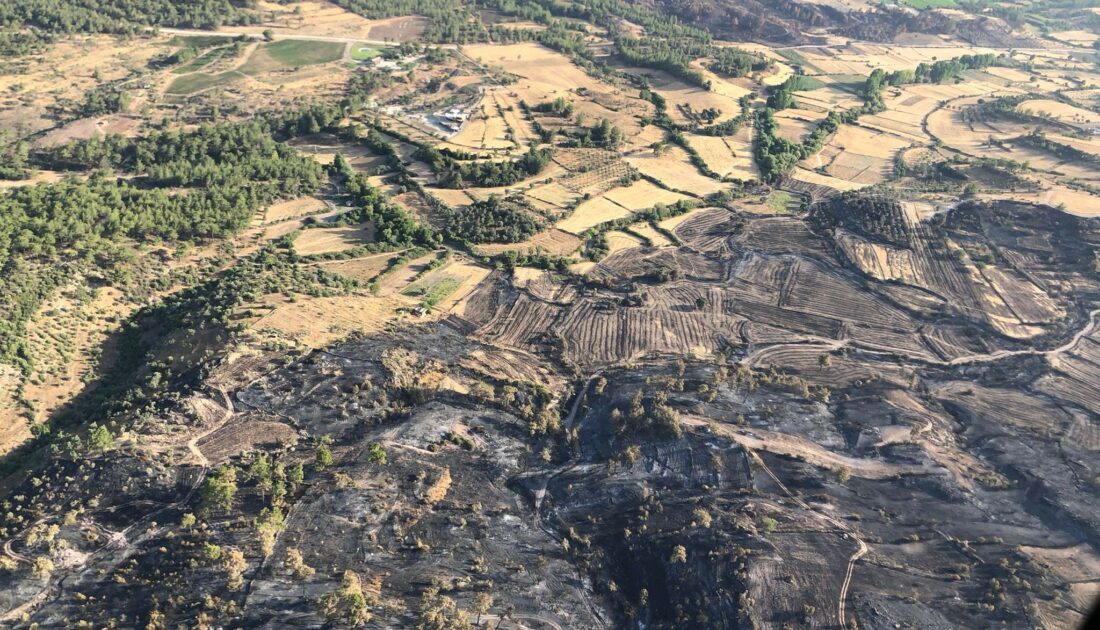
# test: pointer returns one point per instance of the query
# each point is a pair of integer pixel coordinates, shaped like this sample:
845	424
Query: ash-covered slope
853	434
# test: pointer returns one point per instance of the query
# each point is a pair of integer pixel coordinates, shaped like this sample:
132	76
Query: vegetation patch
291	53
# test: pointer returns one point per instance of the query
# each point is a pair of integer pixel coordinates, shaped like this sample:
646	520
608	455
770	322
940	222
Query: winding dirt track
860	551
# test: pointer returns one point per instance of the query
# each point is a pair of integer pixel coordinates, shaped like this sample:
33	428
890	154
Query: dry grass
1060	111
363	269
293	209
553	241
618	241
318	322
675	170
592	212
728	156
328	240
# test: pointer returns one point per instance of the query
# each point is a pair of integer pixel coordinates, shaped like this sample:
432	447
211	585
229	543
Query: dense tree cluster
103	99
227	172
235	155
556	107
493	220
461	173
394	228
737	62
937	72
873	216
602	135
118	16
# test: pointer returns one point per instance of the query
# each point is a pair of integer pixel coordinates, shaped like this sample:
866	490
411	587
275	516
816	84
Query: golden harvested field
451	196
1075	202
618	241
592	212
655	238
683	98
545	75
553	194
553	241
948	128
826	99
616	204
293	209
729	156
642	195
796	124
486	128
811	177
858	155
328	240
674	169
862	58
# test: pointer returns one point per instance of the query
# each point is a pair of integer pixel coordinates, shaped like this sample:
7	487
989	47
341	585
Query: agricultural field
757	314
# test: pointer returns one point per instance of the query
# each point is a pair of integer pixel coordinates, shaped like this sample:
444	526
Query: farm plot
553	241
728	156
331	240
364	269
815	179
857	155
290	53
197	82
796	124
597	178
616	204
683	100
591	213
826	99
324	147
674	169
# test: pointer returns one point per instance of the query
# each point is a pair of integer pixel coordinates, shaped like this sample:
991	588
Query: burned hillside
845	446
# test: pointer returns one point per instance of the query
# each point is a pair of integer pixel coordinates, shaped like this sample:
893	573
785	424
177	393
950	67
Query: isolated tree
348	602
218	491
297	566
41	567
234	564
99	438
376	454
322	456
482	603
679	555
